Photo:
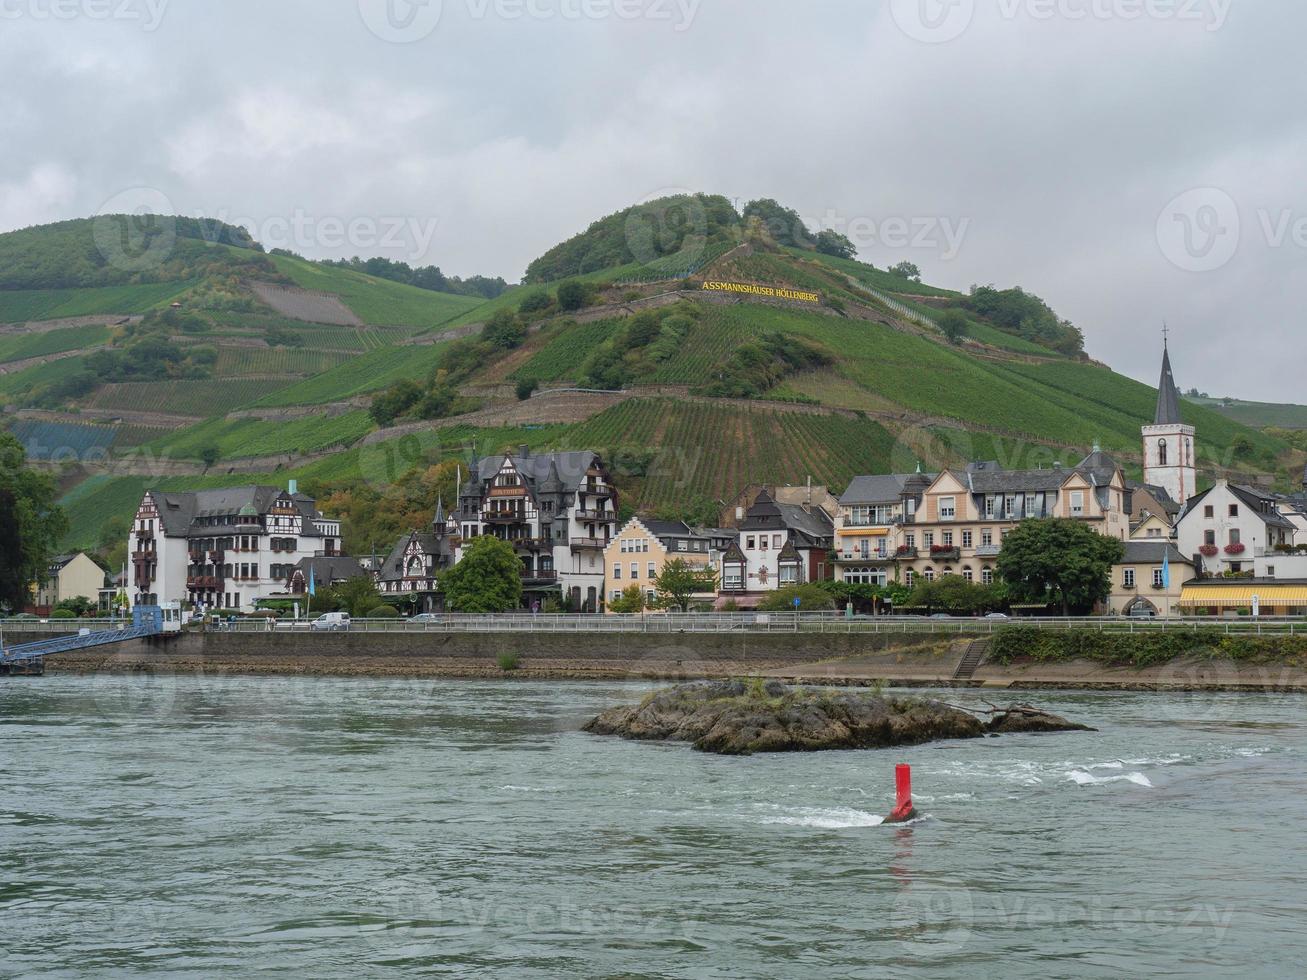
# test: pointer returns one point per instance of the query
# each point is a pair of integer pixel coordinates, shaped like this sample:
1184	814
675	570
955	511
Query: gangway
147	621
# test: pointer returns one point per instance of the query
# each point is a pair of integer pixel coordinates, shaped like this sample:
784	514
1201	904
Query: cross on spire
1166	334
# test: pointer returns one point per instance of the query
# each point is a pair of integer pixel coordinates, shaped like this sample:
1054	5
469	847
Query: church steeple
1168	396
1169	458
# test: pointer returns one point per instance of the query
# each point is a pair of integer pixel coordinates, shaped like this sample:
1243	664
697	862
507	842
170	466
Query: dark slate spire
439	522
1168	397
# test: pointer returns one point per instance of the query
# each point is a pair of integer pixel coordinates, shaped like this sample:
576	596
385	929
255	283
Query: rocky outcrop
1024	719
743	717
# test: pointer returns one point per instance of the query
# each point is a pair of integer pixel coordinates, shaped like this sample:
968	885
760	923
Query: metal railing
774	623
60	625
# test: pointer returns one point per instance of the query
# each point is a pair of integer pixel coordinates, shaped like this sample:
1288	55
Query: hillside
270	367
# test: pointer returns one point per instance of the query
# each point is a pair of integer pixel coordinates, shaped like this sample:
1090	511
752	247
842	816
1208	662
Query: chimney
523	452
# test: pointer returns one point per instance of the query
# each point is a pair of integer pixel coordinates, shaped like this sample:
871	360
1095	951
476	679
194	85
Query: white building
558	510
1229	528
224	549
779	546
1169	460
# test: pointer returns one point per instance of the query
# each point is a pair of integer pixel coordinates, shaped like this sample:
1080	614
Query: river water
209	826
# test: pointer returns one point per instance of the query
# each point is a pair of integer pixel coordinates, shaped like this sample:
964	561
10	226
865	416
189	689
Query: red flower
1210	550
1235	549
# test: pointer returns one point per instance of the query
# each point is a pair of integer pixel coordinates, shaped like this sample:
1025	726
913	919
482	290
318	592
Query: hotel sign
753	289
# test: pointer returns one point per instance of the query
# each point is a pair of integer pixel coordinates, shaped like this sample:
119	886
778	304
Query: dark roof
875	489
336	568
667	529
551	472
814	523
1254	500
1168	396
1098	468
1152	552
178	510
432	544
1160	494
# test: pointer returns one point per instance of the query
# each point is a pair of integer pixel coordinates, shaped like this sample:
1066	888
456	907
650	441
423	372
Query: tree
526	387
1060	561
679	582
31	524
954	325
812	598
487	580
209	455
573	295
833	243
633	600
78	606
355	596
504	331
954	594
906	270
783	224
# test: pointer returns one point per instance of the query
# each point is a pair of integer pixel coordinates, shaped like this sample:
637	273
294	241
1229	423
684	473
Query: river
218	826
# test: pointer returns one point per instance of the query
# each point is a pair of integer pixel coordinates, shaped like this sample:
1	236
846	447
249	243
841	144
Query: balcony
200	582
945	553
539	575
905	553
599	516
588	544
595	490
530	544
504	517
988	551
144	555
862	556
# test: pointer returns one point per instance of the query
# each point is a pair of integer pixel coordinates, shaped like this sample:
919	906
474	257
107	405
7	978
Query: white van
336	621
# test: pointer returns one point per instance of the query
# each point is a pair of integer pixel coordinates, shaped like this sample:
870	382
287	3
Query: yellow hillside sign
753	289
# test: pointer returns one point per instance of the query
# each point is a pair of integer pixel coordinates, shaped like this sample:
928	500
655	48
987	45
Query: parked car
998	615
427	619
1142	612
331	622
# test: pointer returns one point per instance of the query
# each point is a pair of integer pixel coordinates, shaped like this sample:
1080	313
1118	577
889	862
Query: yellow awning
1242	595
865	532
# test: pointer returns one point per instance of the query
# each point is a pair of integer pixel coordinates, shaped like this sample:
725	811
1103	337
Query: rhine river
209	826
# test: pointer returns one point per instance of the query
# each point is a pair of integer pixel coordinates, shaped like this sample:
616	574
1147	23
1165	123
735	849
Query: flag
313	585
1166	569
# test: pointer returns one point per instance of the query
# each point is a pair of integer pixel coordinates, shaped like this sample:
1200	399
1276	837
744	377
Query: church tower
1169	460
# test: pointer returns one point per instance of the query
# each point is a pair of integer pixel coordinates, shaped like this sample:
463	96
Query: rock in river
742	717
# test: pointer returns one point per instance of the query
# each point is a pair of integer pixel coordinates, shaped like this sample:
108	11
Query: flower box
1210	550
1235	549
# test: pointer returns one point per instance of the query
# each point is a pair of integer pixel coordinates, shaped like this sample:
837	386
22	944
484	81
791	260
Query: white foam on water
1082	778
833	818
529	789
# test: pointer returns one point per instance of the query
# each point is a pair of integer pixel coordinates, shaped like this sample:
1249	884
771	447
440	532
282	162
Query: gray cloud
1058	139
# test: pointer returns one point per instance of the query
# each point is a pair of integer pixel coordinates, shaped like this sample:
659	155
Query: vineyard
378	301
20	305
203	399
22	383
63	441
22	346
238	361
561	357
361	375
238	438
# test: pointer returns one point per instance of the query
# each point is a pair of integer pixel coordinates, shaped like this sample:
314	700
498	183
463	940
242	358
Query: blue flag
1166	569
313	585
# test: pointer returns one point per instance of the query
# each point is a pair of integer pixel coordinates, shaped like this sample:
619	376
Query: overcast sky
1131	161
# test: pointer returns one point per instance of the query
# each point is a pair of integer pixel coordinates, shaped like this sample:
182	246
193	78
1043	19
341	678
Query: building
637	555
958	524
558	510
72	576
1151	575
224	549
1169	460
323	572
410	573
871	511
1245	597
777	546
1226	528
807	494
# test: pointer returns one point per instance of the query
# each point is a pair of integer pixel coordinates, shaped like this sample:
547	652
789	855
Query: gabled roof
886	489
543	473
336	568
431	544
1253	499
178	510
1152	553
1168	396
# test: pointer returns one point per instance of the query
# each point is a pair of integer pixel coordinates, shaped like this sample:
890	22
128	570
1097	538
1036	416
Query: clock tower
1169	460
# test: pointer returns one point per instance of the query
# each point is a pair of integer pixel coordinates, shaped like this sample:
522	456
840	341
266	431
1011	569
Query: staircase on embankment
975	653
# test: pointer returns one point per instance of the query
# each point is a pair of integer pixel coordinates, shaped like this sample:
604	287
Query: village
1223	550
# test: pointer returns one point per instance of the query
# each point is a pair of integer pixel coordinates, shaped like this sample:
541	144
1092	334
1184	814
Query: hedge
1141	649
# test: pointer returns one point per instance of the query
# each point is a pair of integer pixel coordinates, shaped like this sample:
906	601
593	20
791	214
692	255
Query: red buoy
903	808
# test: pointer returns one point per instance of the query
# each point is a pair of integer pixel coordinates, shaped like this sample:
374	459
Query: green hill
710	391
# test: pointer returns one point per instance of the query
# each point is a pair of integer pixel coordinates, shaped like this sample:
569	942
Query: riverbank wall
838	659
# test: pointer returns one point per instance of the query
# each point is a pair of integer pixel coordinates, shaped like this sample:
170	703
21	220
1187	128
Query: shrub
526	388
63	614
573	295
508	661
383	612
535	303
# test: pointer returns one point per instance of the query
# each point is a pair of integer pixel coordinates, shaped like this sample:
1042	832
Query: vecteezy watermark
300	231
941	21
135	230
409	21
148	13
943	235
1199	230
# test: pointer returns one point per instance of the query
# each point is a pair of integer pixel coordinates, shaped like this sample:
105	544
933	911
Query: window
947	539
967	539
909	578
1270	571
987	538
1209	538
653	570
1077	503
1159	579
929	574
762	542
928	539
617	572
635	571
750	543
991	504
1010	506
1128	578
1032	505
1234	535
616	595
1234	510
778	541
733	576
910	540
987	576
948	508
968	575
1163	452
789	575
1209	512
